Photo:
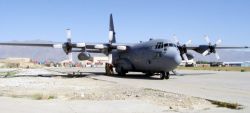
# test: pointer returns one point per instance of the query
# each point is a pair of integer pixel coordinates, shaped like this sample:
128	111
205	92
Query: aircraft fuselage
157	55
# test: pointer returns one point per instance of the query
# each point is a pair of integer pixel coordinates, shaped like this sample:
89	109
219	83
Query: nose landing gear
164	75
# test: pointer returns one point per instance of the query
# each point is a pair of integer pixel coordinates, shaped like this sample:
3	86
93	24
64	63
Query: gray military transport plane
150	57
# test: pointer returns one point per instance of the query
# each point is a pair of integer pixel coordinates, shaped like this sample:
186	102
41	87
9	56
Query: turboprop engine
84	56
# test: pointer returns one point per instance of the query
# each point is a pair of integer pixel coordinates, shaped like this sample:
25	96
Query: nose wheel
164	75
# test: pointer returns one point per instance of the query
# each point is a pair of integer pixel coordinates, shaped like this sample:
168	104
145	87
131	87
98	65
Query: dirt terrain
41	84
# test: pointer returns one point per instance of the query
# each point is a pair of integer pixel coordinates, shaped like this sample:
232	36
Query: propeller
182	48
211	48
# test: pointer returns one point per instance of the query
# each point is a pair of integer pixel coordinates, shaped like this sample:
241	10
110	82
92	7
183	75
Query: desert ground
56	90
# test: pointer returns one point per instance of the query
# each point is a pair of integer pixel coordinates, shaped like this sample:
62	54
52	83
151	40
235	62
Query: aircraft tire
121	74
162	75
167	75
120	71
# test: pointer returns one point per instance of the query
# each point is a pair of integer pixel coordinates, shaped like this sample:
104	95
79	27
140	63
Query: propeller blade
218	42
205	52
217	56
185	57
188	42
207	39
176	40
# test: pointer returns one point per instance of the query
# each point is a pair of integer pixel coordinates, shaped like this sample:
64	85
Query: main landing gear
164	75
109	70
120	71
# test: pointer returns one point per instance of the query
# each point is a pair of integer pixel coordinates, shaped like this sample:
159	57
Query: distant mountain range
51	54
35	53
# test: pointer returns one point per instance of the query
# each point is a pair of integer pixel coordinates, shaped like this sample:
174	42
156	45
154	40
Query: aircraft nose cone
177	60
172	59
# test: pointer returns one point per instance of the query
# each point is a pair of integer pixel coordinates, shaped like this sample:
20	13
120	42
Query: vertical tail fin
111	30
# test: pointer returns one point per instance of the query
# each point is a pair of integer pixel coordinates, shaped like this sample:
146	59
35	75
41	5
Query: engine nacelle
84	56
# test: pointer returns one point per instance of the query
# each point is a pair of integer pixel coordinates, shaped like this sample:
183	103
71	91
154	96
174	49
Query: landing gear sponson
109	71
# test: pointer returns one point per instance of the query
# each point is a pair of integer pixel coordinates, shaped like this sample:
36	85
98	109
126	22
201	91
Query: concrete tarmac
232	87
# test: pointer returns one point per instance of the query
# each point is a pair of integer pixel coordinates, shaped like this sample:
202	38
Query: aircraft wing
208	49
231	47
28	44
74	47
69	46
205	49
217	47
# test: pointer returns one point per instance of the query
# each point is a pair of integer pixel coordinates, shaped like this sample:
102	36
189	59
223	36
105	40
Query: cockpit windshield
160	45
169	45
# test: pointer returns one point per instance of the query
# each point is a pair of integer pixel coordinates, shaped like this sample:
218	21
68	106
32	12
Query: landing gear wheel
162	75
120	71
167	75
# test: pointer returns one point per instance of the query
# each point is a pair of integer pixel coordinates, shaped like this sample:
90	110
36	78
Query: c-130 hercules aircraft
150	57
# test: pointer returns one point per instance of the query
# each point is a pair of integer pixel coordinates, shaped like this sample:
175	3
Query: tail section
111	30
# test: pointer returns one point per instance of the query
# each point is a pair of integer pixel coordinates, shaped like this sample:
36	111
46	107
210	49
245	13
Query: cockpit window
169	45
159	45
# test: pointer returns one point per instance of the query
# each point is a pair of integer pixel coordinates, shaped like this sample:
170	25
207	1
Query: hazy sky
135	20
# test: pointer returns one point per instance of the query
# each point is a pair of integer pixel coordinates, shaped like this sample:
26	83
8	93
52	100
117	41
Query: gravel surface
89	89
